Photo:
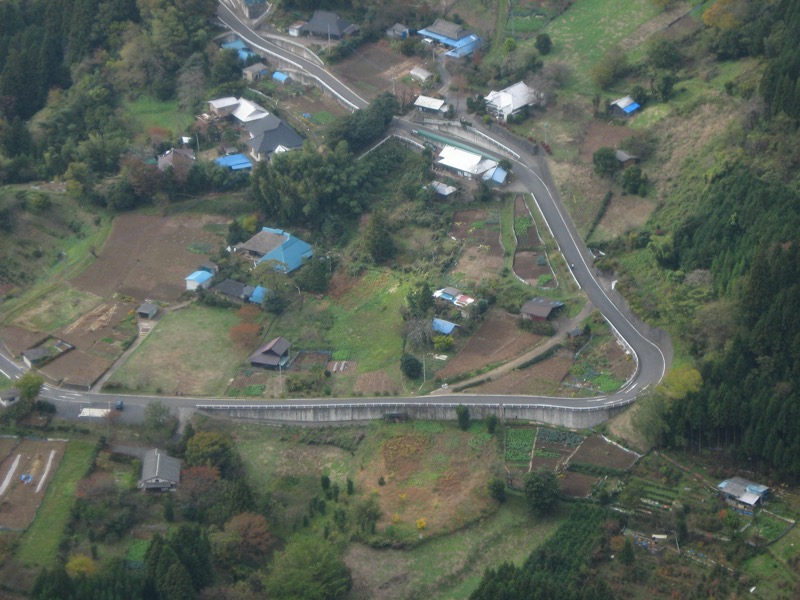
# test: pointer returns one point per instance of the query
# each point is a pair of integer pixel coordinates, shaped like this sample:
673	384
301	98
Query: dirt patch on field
542	378
597	451
19	339
577	485
602	135
373	68
305	360
374	384
36	461
150	257
624	214
479	230
77	368
498	339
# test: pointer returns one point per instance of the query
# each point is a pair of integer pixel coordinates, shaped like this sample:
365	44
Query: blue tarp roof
278	76
199	276
235	162
239	45
497	175
442	326
257	297
290	254
631	107
465	46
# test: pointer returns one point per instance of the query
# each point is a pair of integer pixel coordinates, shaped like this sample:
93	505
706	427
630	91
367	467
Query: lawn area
149	112
452	566
57	309
39	545
190	351
590	27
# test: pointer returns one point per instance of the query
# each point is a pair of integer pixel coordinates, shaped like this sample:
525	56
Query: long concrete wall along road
650	347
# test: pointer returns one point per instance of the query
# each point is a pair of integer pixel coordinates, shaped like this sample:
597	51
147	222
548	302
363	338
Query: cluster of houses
284	252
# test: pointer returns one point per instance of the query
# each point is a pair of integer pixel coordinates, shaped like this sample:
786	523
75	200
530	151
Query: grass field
149	112
189	351
39	544
57	309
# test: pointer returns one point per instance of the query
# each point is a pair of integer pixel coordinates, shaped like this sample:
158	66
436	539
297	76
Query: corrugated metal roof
429	103
199	276
443	327
235	162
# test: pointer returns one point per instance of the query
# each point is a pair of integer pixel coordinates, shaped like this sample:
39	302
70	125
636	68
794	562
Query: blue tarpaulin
239	46
235	162
280	77
442	326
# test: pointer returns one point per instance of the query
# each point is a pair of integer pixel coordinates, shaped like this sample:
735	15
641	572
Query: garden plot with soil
498	339
148	257
541	379
530	257
373	68
26	468
482	254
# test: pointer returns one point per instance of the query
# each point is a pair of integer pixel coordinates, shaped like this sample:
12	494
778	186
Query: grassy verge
149	112
39	544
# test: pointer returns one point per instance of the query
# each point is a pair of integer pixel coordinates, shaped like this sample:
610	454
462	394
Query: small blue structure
460	41
624	107
235	162
496	176
280	77
240	47
198	279
257	297
443	327
465	46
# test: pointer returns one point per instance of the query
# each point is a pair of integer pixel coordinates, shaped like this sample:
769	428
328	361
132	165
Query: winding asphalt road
650	347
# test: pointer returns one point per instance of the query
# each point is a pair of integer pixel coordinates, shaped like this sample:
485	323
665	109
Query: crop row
560	436
519	443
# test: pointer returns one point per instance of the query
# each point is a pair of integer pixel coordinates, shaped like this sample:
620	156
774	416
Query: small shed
10	396
234	162
442	189
258	295
209	267
296	29
443	327
539	309
420	74
160	471
255	72
198	280
281	78
273	355
624	107
398	31
625	159
147	310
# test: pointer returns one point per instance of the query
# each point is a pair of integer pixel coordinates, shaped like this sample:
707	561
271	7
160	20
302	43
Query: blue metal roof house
460	41
277	245
443	327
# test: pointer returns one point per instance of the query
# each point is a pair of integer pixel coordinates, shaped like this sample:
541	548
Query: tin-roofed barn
287	251
255	72
539	309
430	105
198	280
160	471
743	493
624	107
272	355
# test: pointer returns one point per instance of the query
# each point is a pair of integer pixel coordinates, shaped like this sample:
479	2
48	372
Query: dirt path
564	327
43	478
10	475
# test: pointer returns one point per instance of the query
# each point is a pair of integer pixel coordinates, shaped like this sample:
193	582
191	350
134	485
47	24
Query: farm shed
398	31
539	309
430	105
420	74
222	107
198	280
147	310
743	493
160	471
443	327
271	135
512	100
443	189
258	295
255	72
625	159
233	290
209	267
295	29
180	160
326	24
454	296
9	396
272	355
287	251
624	107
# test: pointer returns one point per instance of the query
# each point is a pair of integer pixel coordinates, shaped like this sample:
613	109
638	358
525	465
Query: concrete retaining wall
337	413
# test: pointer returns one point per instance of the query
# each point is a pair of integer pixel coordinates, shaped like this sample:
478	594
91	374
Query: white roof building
465	163
428	104
420	74
512	100
248	111
223	105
